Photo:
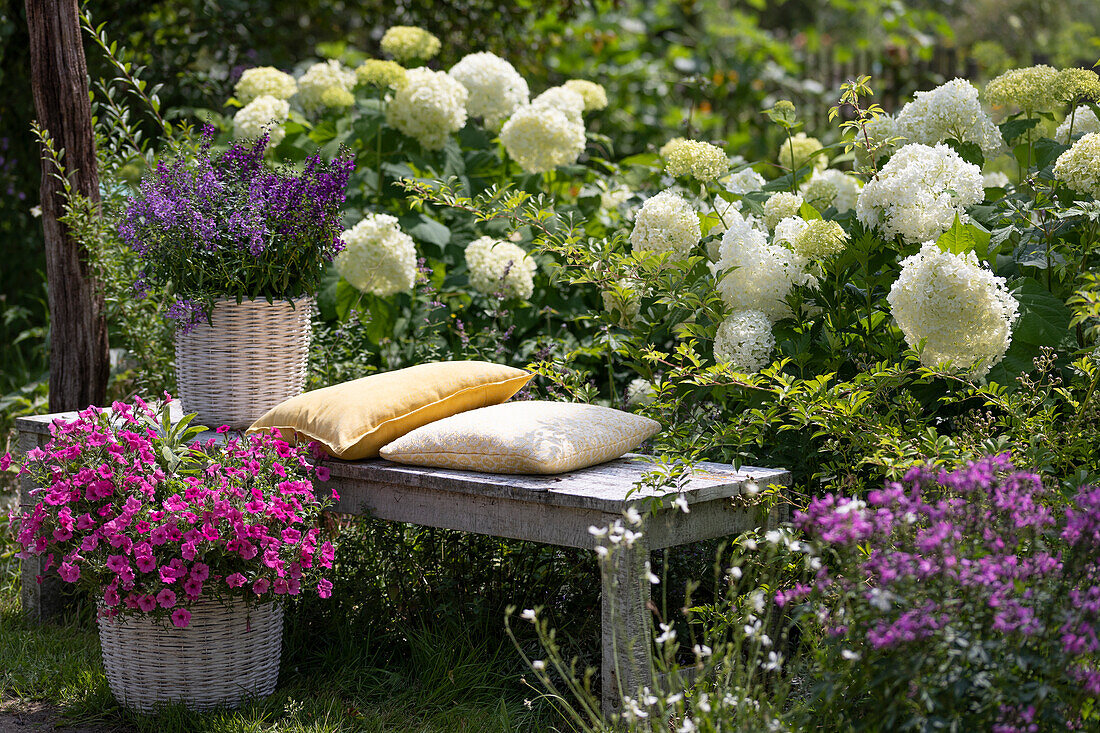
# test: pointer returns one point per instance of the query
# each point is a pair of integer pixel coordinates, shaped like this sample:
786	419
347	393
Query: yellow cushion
524	437
354	419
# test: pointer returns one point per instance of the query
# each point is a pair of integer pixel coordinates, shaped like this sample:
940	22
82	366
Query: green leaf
808	212
650	160
1015	128
1044	317
347	296
958	239
423	228
970	152
1047	151
323	131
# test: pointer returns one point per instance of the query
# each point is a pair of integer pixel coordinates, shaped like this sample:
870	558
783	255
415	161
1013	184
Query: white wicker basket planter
221	658
252	358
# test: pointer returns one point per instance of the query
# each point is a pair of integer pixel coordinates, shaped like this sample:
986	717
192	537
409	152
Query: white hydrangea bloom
788	230
781	206
795	152
263	114
995	179
640	392
743	181
498	267
745	340
919	192
541	139
496	89
430	107
758	274
723	212
950	111
1084	122
831	188
666	223
1079	167
819	239
379	258
960	310
594	95
568	101
264	81
324	82
408	43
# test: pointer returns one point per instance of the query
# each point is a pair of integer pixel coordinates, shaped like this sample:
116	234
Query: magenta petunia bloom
236	580
117	563
110	596
146	603
69	573
181	617
200	571
261	586
166	598
324	588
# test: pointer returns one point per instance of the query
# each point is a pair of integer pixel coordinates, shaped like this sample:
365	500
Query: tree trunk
79	362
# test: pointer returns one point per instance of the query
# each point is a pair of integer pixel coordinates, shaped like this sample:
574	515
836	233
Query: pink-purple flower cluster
984	558
229	225
233	518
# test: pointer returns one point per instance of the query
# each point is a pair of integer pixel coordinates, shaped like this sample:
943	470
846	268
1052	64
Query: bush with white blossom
262	81
781	206
756	274
951	111
541	139
745	340
326	84
264	114
1079	167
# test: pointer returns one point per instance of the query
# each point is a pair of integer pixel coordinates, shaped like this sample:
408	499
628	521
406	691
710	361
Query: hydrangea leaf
1017	127
808	212
969	151
1044	317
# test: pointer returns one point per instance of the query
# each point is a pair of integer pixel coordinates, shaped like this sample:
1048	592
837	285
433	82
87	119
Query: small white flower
528	614
702	650
538	665
602	551
849	654
597	531
653	579
775	661
667	635
681	503
633	516
734	572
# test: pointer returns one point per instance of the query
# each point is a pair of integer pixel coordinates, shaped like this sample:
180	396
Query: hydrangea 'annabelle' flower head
758	274
831	188
950	111
1032	89
264	80
803	147
429	107
745	340
781	206
327	84
378	257
666	223
594	95
1084	121
408	43
500	267
541	139
263	114
960	310
495	87
702	161
919	192
568	101
381	74
1079	167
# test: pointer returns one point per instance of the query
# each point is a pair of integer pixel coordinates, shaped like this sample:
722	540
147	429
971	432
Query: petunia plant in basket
151	525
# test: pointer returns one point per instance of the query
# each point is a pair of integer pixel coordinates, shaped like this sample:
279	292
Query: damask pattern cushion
524	437
354	419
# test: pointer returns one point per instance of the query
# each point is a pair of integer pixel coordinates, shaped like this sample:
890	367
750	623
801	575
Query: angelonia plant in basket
242	246
151	525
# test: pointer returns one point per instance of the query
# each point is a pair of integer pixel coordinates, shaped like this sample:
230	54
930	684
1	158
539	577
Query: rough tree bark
79	365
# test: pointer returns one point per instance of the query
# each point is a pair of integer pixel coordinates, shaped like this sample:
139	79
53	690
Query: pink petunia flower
166	598
117	563
110	596
181	617
261	586
236	580
200	571
69	573
324	588
192	587
146	603
146	563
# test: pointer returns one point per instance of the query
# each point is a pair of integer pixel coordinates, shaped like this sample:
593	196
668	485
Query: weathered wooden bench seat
555	510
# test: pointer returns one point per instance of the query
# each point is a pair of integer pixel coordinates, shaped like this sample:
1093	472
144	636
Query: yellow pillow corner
354	419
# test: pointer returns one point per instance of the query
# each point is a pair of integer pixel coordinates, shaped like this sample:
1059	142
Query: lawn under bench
554	510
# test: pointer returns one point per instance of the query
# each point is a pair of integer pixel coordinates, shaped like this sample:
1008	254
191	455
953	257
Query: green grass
439	679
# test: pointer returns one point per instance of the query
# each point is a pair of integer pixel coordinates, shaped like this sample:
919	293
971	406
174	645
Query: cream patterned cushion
524	437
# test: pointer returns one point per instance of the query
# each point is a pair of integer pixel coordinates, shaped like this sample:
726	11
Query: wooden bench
555	510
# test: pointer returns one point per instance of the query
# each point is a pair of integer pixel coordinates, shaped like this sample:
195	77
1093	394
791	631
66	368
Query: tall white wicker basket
222	657
252	358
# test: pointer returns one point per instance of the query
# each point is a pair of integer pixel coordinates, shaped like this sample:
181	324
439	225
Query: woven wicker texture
222	657
252	359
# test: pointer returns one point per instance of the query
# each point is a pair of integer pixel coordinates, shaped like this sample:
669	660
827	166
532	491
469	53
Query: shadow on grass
439	679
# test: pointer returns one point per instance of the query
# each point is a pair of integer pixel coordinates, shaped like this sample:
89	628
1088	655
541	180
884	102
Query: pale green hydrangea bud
408	43
781	206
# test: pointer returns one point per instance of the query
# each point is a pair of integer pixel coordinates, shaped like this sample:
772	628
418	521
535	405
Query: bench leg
41	600
627	650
